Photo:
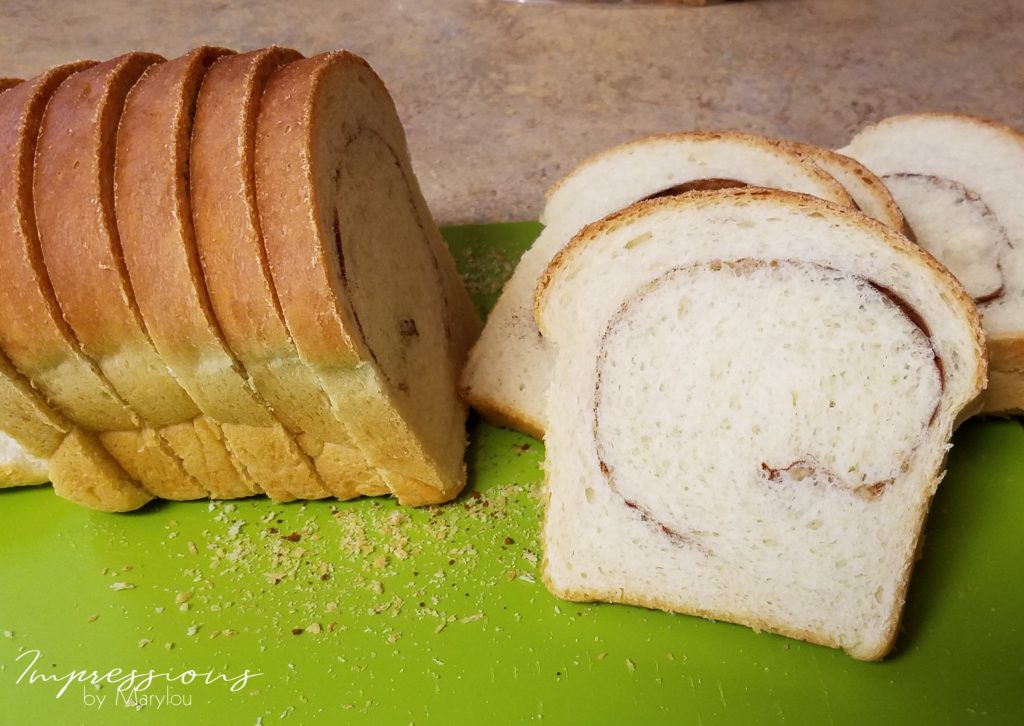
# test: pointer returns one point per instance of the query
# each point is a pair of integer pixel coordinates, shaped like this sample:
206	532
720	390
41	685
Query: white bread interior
721	435
506	376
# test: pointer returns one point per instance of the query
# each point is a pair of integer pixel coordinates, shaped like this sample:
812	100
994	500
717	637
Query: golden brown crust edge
894	215
226	218
783	147
74	150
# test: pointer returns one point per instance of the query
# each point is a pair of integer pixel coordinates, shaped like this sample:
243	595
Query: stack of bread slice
223	281
710	333
506	376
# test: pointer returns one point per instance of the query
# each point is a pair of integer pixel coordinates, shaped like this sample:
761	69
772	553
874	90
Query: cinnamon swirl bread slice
959	180
751	405
506	376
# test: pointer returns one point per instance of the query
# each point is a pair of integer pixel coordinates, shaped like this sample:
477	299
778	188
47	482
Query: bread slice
869	193
154	221
230	243
74	209
368	289
33	333
721	437
506	377
958	180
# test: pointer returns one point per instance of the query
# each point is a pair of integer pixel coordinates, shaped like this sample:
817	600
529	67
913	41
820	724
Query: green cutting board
360	612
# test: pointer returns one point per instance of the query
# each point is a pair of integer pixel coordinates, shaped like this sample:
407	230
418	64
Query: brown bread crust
74	204
154	219
237	274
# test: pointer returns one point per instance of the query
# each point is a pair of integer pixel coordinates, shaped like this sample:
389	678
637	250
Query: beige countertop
500	99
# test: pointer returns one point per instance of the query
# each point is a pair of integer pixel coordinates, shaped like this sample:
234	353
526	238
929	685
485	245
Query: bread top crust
979	121
32	325
223	189
955	294
765	145
74	203
6	83
154	218
288	132
151	167
33	331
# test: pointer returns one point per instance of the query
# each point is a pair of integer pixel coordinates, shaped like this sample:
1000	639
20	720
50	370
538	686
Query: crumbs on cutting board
366	562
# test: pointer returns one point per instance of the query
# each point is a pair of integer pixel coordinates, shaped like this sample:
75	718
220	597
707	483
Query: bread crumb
630	665
313	628
144	642
122	586
182	597
8	634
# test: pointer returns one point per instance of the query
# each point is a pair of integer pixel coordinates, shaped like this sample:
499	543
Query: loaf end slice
368	290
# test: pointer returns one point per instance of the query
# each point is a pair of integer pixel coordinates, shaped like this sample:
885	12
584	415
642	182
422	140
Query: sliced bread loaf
74	210
721	438
154	222
366	285
237	274
33	332
506	377
958	180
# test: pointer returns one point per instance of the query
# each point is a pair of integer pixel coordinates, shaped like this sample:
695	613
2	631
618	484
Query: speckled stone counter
500	99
